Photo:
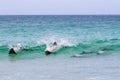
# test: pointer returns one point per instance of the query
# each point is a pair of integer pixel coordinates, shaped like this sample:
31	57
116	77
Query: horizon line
53	14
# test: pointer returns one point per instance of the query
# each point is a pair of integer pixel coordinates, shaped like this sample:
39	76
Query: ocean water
96	37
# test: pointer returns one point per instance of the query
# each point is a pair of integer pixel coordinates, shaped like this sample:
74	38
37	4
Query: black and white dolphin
51	48
15	50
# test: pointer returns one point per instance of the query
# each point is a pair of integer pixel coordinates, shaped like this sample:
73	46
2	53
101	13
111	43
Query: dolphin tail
11	51
48	52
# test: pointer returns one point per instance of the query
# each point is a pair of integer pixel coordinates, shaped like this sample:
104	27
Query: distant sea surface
93	34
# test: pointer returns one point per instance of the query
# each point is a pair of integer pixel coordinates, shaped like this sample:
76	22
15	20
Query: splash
66	47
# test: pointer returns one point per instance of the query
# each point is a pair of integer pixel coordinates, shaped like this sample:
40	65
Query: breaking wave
70	48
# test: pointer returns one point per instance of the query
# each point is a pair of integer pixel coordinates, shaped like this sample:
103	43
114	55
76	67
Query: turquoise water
79	33
88	33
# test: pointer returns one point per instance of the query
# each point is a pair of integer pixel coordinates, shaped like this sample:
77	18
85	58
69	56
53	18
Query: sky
59	7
